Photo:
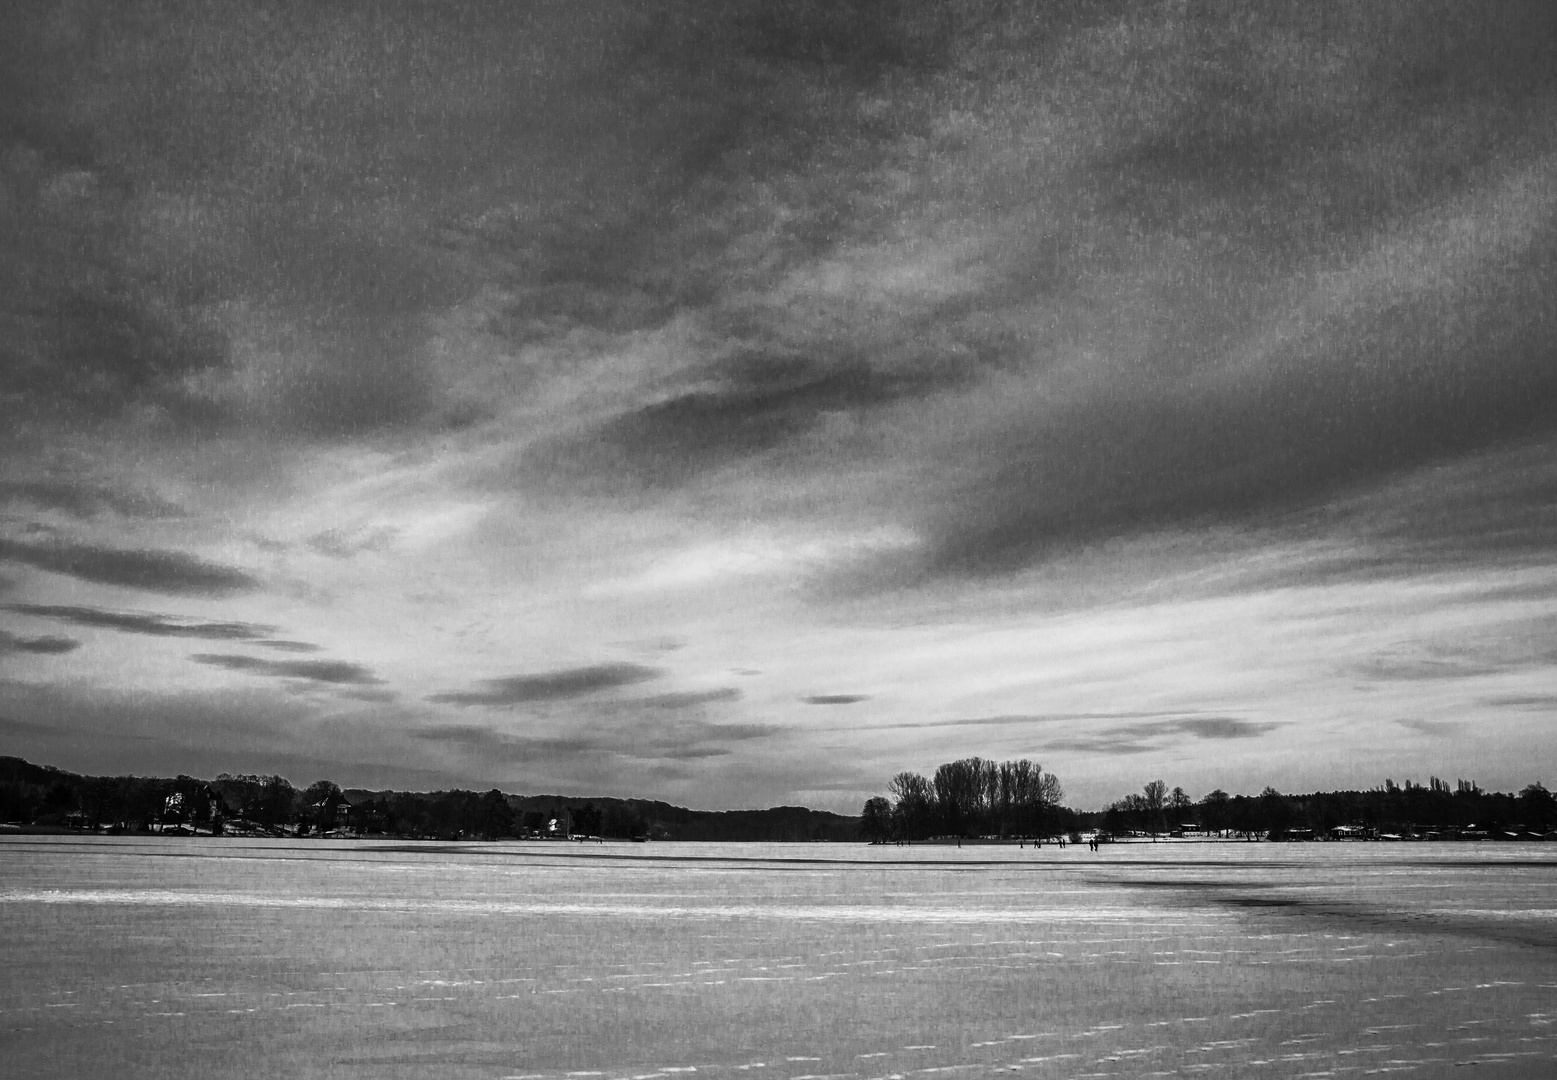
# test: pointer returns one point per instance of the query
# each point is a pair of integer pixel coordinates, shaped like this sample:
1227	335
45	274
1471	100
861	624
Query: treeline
43	796
971	797
1433	811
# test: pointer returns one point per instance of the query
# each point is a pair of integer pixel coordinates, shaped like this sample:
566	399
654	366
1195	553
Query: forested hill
41	795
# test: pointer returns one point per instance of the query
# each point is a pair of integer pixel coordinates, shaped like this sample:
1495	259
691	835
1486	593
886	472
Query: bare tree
1155	795
876	821
1178	805
913	804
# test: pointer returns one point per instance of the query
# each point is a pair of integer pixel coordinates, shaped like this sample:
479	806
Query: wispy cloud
172	572
1522	701
288	646
47	646
1012	720
320	671
85	500
342	544
689	699
1147	737
1436	728
552	685
150	624
639	741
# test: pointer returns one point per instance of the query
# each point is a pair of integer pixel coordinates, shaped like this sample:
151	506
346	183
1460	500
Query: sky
738	404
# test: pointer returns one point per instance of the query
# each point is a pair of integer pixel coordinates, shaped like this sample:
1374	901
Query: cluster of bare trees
1155	810
970	797
1435	810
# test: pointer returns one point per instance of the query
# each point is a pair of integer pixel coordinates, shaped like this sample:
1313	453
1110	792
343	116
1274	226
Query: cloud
1522	701
48	646
1222	727
153	625
503	747
339	544
835	699
552	685
86	500
15	728
257	728
688	699
1146	737
289	646
1505	645
638	740
171	572
1017	720
336	672
1436	728
376	697
1410	668
763	402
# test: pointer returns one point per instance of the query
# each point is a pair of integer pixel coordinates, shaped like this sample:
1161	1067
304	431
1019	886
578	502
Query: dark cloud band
320	671
152	625
45	646
86	500
1147	737
552	685
171	572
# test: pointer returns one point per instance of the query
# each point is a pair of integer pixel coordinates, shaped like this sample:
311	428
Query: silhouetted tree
913	808
497	817
959	790
1214	811
1537	806
1153	797
876	821
586	820
1275	813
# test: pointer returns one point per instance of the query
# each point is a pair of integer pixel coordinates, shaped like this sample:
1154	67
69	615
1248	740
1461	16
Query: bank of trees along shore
1431	811
44	797
1013	799
968	798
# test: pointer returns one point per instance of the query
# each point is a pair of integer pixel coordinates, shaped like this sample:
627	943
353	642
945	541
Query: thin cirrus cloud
552	685
765	401
87	500
43	646
1522	701
1147	737
1435	728
281	645
171	572
671	741
1012	720
336	672
151	625
688	699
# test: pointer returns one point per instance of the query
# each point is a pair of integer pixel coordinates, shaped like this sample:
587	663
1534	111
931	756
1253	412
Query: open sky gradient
739	403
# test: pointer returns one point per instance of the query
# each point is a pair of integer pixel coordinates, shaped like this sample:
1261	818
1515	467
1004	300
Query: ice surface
131	957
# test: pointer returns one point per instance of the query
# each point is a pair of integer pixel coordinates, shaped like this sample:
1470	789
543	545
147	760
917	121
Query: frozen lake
129	957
